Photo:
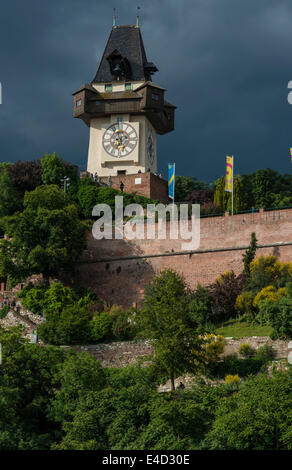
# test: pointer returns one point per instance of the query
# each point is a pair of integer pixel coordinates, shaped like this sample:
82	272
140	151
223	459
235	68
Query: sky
226	65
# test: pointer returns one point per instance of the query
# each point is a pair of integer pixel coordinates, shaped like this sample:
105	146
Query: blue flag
171	180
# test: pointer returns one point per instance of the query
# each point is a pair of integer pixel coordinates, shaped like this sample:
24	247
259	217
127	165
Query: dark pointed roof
127	40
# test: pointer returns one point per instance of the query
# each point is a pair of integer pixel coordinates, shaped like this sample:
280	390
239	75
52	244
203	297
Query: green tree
165	319
10	200
223	198
249	255
78	375
185	185
257	417
52	169
26	388
263	186
47	236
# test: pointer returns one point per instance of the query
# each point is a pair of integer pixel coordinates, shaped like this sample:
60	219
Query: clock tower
123	108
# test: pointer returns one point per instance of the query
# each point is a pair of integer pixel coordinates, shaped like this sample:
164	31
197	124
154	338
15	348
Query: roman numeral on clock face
119	139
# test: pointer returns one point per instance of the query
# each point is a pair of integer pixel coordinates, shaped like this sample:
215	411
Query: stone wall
121	354
118	270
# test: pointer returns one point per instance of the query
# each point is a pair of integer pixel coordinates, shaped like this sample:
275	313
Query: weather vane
137	17
114	17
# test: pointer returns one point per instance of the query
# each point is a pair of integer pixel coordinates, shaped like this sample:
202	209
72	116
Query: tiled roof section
154	85
85	87
169	105
128	41
119	95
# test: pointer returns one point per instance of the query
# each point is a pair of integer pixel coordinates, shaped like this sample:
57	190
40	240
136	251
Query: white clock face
150	147
120	139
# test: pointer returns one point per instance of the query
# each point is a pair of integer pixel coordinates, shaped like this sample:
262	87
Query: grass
238	329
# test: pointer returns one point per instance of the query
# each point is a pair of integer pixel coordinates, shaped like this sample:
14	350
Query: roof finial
137	17
114	18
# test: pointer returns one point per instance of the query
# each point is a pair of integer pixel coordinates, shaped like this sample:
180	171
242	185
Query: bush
243	367
200	307
269	293
244	305
278	315
224	293
246	350
268	271
265	353
32	298
101	325
70	326
232	379
123	326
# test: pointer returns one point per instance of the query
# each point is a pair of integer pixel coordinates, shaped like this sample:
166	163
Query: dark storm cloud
225	63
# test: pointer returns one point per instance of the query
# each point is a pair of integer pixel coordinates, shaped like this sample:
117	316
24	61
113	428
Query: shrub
246	350
70	326
244	305
268	271
200	307
278	315
32	298
269	293
233	365
232	379
265	353
101	325
224	293
123	322
212	349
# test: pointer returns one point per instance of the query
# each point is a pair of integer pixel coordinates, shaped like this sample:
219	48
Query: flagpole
232	185
173	183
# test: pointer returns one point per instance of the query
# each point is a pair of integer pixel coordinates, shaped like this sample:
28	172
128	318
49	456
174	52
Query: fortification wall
118	270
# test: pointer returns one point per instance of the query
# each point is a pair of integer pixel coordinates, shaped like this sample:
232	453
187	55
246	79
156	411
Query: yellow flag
229	174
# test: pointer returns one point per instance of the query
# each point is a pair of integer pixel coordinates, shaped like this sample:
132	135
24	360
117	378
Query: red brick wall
151	186
123	281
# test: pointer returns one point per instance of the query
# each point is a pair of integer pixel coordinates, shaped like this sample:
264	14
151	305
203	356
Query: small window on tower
155	97
108	87
78	103
128	86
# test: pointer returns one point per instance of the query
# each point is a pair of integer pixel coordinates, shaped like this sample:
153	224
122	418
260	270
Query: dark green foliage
249	255
90	195
257	417
70	326
185	185
47	236
278	315
52	399
52	169
101	326
33	298
10	199
26	388
201	312
233	365
263	184
26	176
265	353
